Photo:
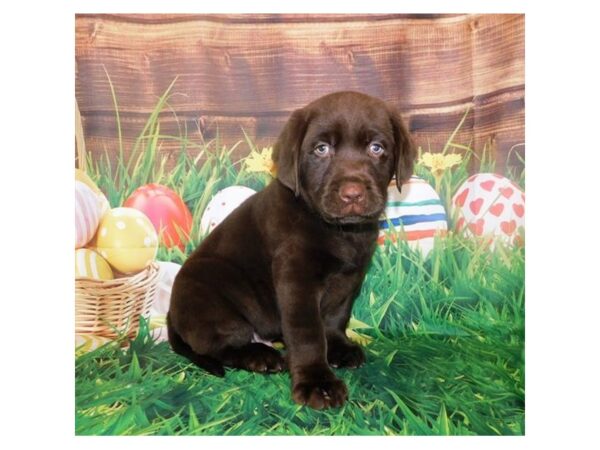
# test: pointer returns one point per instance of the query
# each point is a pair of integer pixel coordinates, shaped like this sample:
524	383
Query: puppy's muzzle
352	193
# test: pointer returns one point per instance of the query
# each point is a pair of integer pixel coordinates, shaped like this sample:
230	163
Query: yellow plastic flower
438	162
261	161
355	336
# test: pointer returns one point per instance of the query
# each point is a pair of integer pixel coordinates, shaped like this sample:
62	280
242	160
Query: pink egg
88	211
488	204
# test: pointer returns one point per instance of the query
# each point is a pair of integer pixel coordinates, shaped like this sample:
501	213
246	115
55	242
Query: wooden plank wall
251	71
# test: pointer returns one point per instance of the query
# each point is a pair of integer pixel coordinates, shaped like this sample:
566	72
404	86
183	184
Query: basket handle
79	139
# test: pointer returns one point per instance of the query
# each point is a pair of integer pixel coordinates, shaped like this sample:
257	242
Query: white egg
166	277
222	204
488	204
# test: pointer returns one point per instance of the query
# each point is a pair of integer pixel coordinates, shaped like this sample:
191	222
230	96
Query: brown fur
288	263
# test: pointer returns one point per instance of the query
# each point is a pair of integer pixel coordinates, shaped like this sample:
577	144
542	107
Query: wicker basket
112	308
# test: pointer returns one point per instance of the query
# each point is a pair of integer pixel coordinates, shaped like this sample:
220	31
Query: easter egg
488	204
85	343
166	277
126	239
90	264
162	299
416	215
222	204
88	212
166	210
83	177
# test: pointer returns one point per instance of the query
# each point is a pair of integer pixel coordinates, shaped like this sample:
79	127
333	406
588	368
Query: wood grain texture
251	71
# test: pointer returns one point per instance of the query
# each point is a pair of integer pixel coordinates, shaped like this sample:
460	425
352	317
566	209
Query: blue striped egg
416	215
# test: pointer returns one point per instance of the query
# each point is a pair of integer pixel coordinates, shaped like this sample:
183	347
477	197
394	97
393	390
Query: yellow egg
80	175
126	239
90	264
87	342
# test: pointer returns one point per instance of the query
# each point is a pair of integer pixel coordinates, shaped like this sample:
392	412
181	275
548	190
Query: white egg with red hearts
415	214
222	204
490	205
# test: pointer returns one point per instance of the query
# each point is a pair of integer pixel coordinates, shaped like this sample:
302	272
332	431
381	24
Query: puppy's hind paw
254	357
345	355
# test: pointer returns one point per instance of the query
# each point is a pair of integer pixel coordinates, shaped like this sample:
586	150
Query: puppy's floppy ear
404	149
286	151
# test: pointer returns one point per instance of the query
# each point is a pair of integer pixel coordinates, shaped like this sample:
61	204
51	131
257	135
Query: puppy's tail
179	346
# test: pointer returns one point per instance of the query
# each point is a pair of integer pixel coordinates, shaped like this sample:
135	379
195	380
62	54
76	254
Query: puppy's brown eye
376	149
322	150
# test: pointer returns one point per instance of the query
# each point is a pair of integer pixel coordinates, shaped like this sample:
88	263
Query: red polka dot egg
168	213
488	204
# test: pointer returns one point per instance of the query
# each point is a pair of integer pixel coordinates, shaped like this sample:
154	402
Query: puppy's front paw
345	355
320	394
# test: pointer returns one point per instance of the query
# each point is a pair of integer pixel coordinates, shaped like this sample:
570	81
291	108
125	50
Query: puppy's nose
352	192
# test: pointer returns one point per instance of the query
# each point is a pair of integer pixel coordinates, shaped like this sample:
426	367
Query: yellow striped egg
126	239
90	264
87	342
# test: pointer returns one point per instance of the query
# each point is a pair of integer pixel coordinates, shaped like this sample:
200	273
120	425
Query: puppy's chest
351	254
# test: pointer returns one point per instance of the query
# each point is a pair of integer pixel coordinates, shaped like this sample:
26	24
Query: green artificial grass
445	351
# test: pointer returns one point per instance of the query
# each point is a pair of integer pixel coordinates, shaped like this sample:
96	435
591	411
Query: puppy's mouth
351	202
353	219
352	215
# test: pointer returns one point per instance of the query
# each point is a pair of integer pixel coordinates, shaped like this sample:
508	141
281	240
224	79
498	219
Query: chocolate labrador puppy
288	263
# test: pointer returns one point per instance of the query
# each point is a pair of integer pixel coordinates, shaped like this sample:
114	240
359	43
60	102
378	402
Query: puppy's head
339	154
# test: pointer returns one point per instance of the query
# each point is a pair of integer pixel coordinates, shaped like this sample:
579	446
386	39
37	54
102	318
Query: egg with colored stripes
415	215
126	239
89	264
490	205
88	211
